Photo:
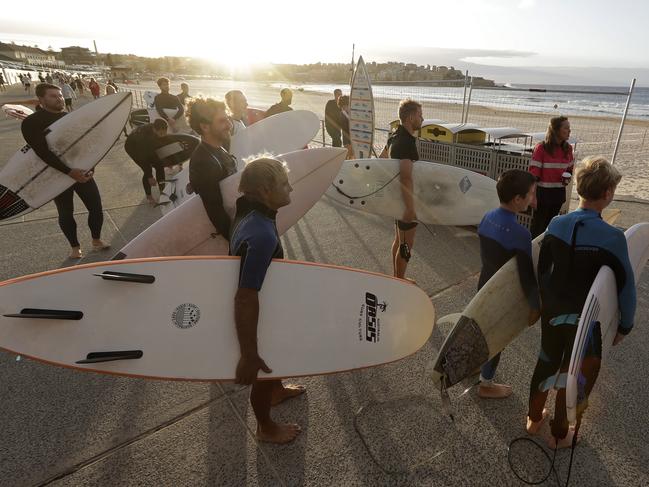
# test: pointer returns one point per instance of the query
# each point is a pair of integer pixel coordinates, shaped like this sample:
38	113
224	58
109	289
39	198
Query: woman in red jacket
94	88
552	163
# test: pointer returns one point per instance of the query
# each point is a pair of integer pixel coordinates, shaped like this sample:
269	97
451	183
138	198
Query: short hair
162	80
343	101
202	110
512	183
229	96
261	172
285	91
160	123
595	176
182	85
41	89
338	90
406	108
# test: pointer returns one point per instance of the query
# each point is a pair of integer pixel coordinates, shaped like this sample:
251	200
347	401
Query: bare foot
99	245
75	253
280	395
278	433
151	200
494	391
563	442
532	427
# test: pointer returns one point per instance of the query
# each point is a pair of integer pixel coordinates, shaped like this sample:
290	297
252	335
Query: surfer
573	250
211	163
265	188
141	145
284	105
333	117
402	145
501	238
237	105
552	164
34	130
165	100
184	95
343	105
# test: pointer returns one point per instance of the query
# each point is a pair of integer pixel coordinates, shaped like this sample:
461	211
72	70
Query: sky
506	38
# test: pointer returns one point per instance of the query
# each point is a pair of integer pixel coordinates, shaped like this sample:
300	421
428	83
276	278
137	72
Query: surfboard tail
452	318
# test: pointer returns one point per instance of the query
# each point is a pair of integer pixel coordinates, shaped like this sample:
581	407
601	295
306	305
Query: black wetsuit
573	250
401	145
34	129
208	166
333	117
278	108
141	145
168	101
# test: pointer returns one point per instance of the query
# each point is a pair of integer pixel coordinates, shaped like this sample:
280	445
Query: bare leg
401	264
267	429
283	392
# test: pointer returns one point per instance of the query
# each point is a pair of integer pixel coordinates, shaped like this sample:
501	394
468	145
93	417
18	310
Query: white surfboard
149	98
144	324
601	307
361	116
444	195
17	111
496	315
279	134
188	231
81	139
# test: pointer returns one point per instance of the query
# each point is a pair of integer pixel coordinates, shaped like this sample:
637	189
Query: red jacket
548	168
94	88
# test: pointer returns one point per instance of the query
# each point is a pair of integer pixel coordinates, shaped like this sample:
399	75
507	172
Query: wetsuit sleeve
256	255
206	183
527	279
536	163
35	137
545	258
626	291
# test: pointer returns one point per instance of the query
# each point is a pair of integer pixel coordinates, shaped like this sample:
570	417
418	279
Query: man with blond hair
573	250
265	187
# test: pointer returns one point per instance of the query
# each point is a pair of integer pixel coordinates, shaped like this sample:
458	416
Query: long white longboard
81	139
279	134
361	113
174	318
496	315
601	307
188	231
444	195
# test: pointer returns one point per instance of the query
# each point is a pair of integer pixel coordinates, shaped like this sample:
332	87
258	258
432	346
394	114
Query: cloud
527	4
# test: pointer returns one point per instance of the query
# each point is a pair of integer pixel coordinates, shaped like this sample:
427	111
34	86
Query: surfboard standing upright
361	117
358	319
601	307
80	139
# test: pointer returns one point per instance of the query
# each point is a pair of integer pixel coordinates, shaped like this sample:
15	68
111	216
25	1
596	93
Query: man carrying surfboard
265	187
165	100
211	163
573	250
284	104
501	238
402	145
141	145
34	129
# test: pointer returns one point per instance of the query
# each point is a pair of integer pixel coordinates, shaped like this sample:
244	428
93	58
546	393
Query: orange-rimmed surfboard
173	318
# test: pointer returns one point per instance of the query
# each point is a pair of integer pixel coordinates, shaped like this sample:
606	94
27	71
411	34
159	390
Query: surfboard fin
46	314
453	318
126	277
96	357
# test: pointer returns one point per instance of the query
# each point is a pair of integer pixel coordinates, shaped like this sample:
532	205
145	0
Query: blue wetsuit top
501	238
573	250
255	240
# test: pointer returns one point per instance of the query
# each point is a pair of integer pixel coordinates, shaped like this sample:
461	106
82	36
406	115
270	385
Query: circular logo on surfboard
186	315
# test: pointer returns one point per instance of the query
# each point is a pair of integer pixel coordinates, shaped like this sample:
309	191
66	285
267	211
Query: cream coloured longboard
444	195
496	315
601	307
279	134
361	113
17	111
188	231
133	318
81	139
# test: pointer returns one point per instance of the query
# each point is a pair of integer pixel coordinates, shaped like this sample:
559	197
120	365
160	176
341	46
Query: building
77	55
29	55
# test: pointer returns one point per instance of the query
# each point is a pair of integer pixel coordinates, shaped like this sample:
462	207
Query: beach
379	426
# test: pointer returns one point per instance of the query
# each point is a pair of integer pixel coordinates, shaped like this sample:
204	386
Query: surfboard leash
381	188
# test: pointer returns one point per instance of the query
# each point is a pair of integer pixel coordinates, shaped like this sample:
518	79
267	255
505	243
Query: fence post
468	101
626	109
322	126
466	77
